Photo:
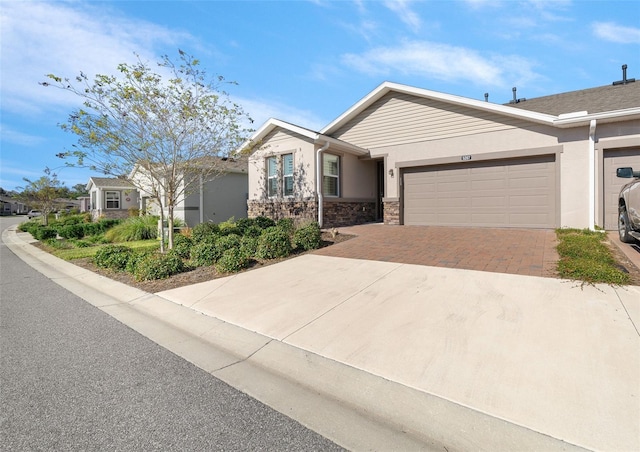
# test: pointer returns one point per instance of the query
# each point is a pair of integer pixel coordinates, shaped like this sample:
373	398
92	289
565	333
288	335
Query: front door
380	191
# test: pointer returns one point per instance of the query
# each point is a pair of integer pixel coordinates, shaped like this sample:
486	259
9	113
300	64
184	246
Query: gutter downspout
319	180
592	174
201	199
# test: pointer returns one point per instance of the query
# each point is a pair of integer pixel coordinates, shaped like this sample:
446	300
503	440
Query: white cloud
261	110
13	136
610	31
65	38
405	13
442	62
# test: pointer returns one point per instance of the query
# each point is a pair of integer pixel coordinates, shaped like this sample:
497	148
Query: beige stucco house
411	156
111	197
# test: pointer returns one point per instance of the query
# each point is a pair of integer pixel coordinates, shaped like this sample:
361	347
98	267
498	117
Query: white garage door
612	160
499	193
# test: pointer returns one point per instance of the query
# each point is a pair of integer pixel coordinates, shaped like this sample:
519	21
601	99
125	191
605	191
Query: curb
355	409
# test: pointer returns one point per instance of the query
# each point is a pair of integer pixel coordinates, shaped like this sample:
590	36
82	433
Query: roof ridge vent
624	80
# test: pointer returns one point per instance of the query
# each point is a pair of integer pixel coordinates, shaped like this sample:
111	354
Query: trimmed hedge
158	266
182	245
308	237
72	231
114	257
273	243
232	260
204	231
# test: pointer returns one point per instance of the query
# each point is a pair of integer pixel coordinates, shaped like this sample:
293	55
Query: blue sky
304	62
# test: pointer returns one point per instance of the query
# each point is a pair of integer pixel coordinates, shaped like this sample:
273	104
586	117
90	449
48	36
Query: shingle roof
111	182
593	100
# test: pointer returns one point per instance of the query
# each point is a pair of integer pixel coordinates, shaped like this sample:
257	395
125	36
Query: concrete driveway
529	252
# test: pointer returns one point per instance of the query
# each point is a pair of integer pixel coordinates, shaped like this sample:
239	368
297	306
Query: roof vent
486	97
624	80
515	99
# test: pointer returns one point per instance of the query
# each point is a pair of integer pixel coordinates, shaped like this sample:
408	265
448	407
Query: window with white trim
280	175
272	176
330	175
287	174
112	199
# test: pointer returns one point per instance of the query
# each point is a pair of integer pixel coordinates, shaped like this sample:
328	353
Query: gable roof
593	100
388	87
609	107
316	137
109	182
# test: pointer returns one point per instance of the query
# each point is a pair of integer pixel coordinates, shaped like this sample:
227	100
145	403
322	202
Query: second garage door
498	193
612	184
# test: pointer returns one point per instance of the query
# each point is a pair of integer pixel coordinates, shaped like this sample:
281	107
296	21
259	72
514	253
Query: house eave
627	114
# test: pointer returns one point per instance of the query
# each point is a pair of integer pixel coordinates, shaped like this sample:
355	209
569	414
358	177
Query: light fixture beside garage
391	172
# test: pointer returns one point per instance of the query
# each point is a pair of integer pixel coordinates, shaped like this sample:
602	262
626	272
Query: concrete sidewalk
428	357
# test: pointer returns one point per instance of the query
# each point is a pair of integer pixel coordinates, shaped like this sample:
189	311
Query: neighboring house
111	197
215	200
411	156
9	206
84	204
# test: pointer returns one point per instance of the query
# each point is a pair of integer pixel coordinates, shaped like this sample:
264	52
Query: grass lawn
585	257
80	253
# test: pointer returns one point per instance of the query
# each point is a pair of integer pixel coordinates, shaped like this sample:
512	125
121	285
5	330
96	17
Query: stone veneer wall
391	212
301	211
348	213
335	213
116	214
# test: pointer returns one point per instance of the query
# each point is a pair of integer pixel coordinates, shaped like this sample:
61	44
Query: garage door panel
488	184
527	201
489	202
616	159
507	193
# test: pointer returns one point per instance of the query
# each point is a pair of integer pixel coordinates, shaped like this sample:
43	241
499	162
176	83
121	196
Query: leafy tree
42	193
78	190
166	130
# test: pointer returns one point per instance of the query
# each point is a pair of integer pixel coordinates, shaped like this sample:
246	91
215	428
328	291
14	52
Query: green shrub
264	222
96	239
80	243
308	237
225	243
114	257
31	226
249	245
204	231
92	228
135	258
286	224
43	233
158	266
66	220
72	231
244	223
108	223
203	253
229	227
182	245
232	260
273	243
134	228
252	231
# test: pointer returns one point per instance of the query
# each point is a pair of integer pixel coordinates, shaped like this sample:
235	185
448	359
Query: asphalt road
73	378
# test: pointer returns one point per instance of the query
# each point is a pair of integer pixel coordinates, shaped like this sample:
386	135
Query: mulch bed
200	274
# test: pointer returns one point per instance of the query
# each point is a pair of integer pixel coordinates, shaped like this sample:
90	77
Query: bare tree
173	127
